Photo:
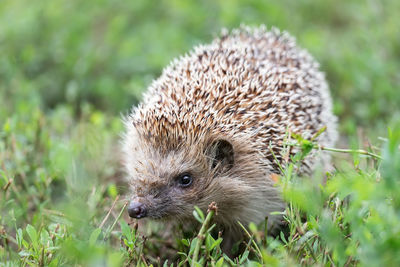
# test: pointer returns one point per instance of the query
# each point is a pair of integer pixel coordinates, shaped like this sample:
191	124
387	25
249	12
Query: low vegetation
69	68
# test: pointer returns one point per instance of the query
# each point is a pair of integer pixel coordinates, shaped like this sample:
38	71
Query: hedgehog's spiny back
252	85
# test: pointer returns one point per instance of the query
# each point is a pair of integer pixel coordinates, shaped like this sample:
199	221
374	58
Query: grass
69	68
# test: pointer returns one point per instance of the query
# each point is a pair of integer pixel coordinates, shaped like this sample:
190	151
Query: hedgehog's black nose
137	210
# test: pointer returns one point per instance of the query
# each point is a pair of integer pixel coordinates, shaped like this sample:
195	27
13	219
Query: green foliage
69	68
353	217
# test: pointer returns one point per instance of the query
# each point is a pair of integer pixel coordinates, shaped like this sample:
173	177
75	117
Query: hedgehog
212	128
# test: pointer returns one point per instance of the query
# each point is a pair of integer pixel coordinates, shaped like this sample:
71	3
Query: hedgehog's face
170	185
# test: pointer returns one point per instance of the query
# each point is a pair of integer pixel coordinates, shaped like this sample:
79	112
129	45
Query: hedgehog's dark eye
185	180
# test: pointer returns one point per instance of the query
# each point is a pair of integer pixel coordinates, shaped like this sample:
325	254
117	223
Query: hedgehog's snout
137	209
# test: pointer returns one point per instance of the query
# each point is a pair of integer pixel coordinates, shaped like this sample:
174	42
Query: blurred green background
69	68
67	52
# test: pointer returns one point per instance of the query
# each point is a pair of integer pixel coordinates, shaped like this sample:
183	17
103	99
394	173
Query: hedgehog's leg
229	240
232	244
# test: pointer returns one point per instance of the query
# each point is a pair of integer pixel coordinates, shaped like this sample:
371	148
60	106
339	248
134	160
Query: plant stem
109	212
204	227
358	151
254	243
115	222
340	150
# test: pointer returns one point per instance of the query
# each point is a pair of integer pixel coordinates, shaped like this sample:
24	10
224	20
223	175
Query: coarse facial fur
221	114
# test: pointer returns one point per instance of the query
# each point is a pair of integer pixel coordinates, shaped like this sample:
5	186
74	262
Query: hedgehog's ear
221	154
